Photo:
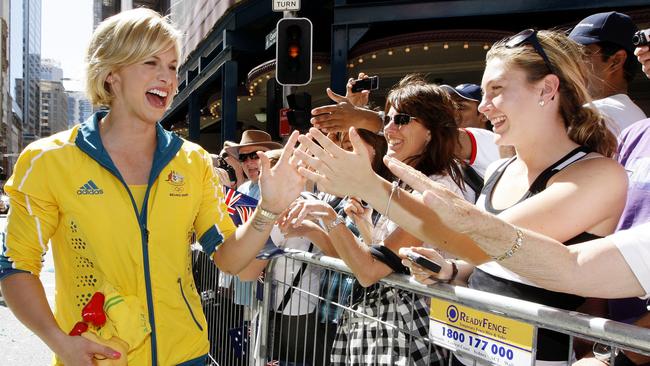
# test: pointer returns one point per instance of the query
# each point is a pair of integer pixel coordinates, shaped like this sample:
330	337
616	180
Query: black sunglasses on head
529	36
399	119
250	155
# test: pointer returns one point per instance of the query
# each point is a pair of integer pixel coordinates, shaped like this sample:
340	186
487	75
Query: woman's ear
550	88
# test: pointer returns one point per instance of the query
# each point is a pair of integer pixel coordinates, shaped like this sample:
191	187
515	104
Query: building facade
10	135
25	64
51	70
226	80
54	107
103	9
79	107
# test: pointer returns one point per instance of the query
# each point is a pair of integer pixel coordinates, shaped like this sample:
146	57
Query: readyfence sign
485	336
286	5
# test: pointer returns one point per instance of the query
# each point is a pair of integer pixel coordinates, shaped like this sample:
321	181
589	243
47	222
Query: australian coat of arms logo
174	178
177	181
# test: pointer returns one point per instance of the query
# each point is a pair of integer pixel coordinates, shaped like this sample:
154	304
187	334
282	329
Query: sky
66	27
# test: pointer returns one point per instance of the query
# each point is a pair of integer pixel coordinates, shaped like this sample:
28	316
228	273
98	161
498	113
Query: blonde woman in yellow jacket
119	198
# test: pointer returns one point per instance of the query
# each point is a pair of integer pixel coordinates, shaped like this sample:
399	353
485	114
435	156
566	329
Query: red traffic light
294	51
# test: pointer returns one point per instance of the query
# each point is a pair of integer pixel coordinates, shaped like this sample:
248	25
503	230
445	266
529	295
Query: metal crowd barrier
484	328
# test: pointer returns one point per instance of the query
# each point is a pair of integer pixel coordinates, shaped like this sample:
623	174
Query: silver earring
541	102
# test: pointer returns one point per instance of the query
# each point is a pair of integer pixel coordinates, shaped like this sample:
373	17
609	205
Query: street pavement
18	345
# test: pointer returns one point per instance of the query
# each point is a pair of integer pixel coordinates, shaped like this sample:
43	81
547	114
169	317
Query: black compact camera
641	38
223	164
370	83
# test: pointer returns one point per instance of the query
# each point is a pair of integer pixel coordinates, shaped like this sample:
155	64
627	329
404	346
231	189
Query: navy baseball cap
466	91
611	27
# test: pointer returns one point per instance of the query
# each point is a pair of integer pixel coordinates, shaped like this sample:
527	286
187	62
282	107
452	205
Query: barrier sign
486	336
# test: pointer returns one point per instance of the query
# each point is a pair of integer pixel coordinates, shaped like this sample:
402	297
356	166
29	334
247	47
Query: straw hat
252	138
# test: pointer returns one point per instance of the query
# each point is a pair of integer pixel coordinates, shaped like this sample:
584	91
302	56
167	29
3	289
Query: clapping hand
280	185
333	169
306	209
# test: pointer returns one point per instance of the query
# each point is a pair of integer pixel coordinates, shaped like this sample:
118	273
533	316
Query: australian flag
240	206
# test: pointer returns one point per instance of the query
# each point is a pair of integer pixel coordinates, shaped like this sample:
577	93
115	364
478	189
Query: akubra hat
253	138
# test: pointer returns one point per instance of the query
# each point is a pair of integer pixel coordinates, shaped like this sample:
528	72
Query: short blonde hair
124	39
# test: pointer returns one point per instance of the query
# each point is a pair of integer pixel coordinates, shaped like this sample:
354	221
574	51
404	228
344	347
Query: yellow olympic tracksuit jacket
66	189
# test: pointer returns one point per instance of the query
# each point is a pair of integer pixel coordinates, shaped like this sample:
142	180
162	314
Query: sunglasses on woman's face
399	119
529	36
250	155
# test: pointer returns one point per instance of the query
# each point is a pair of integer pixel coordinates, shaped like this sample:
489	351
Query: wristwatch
603	352
339	220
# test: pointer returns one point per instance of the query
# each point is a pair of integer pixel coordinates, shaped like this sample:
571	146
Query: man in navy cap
467	98
607	38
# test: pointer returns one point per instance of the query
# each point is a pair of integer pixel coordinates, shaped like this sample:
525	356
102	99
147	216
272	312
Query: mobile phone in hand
370	83
423	261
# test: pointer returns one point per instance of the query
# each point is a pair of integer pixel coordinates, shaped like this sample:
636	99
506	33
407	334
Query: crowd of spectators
520	182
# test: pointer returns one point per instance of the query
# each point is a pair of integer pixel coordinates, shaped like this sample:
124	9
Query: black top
551	346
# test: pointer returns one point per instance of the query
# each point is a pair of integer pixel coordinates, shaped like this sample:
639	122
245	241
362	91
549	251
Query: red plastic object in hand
93	312
78	328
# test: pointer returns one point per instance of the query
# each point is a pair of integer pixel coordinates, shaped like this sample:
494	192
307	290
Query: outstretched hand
282	184
343	115
452	209
303	210
333	169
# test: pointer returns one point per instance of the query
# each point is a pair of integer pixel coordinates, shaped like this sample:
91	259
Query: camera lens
640	38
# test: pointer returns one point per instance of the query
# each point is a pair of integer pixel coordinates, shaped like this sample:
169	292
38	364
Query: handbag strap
296	281
389	258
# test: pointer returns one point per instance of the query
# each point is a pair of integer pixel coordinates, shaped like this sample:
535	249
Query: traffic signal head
300	112
293	52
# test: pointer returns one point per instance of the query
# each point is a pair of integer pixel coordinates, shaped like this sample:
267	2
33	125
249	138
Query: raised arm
330	167
594	269
278	188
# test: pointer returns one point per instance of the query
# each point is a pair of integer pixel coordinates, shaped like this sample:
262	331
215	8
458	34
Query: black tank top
551	346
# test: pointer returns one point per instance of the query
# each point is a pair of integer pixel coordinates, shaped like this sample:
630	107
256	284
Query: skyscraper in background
54	107
25	64
51	70
10	134
103	9
79	107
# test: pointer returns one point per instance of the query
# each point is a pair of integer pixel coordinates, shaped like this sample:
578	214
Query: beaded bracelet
510	252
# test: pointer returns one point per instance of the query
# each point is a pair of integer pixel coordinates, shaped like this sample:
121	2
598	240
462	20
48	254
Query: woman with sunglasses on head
119	198
561	181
